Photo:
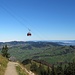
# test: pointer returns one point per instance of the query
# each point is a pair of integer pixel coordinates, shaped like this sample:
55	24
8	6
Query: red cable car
29	34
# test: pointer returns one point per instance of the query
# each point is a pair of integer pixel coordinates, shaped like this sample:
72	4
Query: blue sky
47	20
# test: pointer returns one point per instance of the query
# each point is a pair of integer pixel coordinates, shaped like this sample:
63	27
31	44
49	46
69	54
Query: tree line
68	69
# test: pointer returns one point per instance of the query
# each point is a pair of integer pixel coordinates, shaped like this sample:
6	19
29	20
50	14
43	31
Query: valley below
50	52
42	57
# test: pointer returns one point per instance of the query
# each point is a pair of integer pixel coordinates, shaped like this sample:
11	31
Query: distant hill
66	42
31	43
51	52
48	51
42	43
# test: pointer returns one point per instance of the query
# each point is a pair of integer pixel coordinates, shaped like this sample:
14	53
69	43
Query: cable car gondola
29	34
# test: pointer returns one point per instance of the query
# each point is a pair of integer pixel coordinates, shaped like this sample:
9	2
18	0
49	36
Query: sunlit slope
3	64
48	52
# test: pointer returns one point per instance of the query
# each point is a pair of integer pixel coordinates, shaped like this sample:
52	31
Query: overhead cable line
7	10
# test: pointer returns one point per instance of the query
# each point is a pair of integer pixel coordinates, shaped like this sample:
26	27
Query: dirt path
11	70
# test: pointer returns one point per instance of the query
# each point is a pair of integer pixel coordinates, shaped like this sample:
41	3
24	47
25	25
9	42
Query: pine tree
5	51
48	70
60	70
53	70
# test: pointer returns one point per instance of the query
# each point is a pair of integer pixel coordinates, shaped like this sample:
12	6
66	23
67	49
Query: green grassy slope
3	65
49	53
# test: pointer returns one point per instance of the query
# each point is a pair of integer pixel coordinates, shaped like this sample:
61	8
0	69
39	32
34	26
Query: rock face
12	59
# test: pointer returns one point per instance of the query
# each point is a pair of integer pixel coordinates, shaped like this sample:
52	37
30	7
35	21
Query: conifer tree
53	70
5	51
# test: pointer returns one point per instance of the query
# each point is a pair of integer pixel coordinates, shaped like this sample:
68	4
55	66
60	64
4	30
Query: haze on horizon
47	20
